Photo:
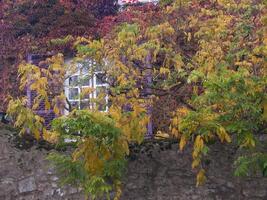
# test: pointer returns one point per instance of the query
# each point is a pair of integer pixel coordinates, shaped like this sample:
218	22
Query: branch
69	104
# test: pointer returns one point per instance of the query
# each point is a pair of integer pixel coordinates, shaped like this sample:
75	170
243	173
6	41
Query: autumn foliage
203	61
30	27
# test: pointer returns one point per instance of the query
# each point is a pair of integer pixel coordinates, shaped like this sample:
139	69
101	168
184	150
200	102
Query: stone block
27	185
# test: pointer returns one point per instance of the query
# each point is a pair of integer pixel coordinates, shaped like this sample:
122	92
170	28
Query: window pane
73	81
74	104
99	78
85	105
102	107
85	67
73	93
85	81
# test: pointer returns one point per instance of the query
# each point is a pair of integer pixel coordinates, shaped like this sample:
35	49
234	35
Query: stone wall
155	175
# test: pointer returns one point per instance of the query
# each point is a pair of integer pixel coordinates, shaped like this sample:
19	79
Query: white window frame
92	84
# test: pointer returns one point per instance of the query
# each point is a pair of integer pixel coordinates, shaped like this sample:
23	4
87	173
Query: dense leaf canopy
204	61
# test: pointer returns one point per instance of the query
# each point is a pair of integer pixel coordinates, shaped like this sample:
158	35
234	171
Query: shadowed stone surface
156	175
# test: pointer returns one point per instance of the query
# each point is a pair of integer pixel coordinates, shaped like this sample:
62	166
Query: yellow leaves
195	163
175	132
78	152
88	150
47	104
133	123
62	41
164	70
199	142
188	35
117	190
50	136
56	63
138	110
25	118
80	40
115	112
243	63
182	142
178	62
125	146
122	79
86	91
56	110
28	73
197	151
95	153
227	3
248	141
36	133
175	121
182	111
159	32
201	178
223	135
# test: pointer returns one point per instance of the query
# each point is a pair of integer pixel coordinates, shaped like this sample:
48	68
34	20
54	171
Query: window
82	81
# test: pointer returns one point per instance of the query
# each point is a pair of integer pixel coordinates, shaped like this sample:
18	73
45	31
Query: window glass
74	104
85	80
100	78
85	105
73	81
102	107
73	93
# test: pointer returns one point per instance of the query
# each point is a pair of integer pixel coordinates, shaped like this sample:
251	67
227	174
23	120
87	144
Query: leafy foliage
35	27
230	94
99	156
253	162
208	57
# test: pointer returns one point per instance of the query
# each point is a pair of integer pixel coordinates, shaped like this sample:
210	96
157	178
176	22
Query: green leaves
245	165
99	154
231	104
